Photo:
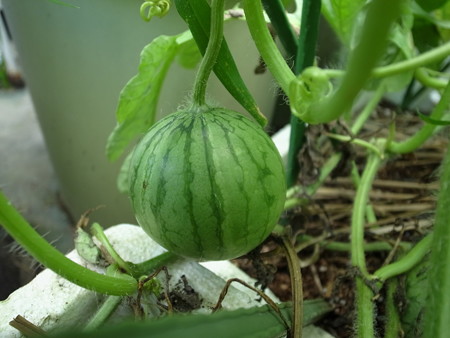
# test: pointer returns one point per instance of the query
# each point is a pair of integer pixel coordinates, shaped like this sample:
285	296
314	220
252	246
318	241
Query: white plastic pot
76	61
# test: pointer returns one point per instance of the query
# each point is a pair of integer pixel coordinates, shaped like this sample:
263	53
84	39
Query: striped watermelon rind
207	184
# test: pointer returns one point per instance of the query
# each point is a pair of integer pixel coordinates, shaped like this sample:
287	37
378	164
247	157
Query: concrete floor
26	175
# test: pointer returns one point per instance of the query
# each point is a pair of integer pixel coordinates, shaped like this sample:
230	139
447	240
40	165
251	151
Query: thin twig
266	298
296	286
392	253
166	289
27	328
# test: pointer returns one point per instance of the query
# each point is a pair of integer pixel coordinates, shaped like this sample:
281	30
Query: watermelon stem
211	53
364	295
305	56
47	255
265	44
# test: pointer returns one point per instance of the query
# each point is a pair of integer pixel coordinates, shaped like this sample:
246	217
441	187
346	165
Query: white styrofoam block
53	303
281	140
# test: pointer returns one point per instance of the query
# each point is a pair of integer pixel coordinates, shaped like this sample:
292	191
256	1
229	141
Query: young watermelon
207	183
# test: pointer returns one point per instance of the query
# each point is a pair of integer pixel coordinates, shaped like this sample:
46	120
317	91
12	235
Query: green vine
407	262
265	44
211	53
426	131
364	305
422	75
42	251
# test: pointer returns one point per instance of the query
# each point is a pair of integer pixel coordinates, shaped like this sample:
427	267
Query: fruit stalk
211	53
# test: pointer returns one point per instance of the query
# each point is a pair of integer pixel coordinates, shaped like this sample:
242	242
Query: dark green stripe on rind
260	156
230	138
216	196
189	175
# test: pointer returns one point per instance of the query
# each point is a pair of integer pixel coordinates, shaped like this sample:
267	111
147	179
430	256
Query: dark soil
403	198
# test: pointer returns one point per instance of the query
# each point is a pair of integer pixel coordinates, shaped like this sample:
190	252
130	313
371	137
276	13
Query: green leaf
347	18
253	322
341	15
430	5
437	323
138	100
430	29
426	35
86	247
400	48
123	177
413	299
136	111
442	21
188	55
197	13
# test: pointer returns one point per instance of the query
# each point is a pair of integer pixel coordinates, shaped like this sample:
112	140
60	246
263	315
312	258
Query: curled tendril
312	86
159	8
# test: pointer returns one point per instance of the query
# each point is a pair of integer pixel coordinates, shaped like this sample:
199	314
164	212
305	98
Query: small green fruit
207	184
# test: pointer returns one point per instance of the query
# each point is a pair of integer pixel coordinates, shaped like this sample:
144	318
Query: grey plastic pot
76	61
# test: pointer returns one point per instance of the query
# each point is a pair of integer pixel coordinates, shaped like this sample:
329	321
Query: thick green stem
359	211
306	53
427	130
51	258
296	142
364	309
309	30
265	44
211	53
364	306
